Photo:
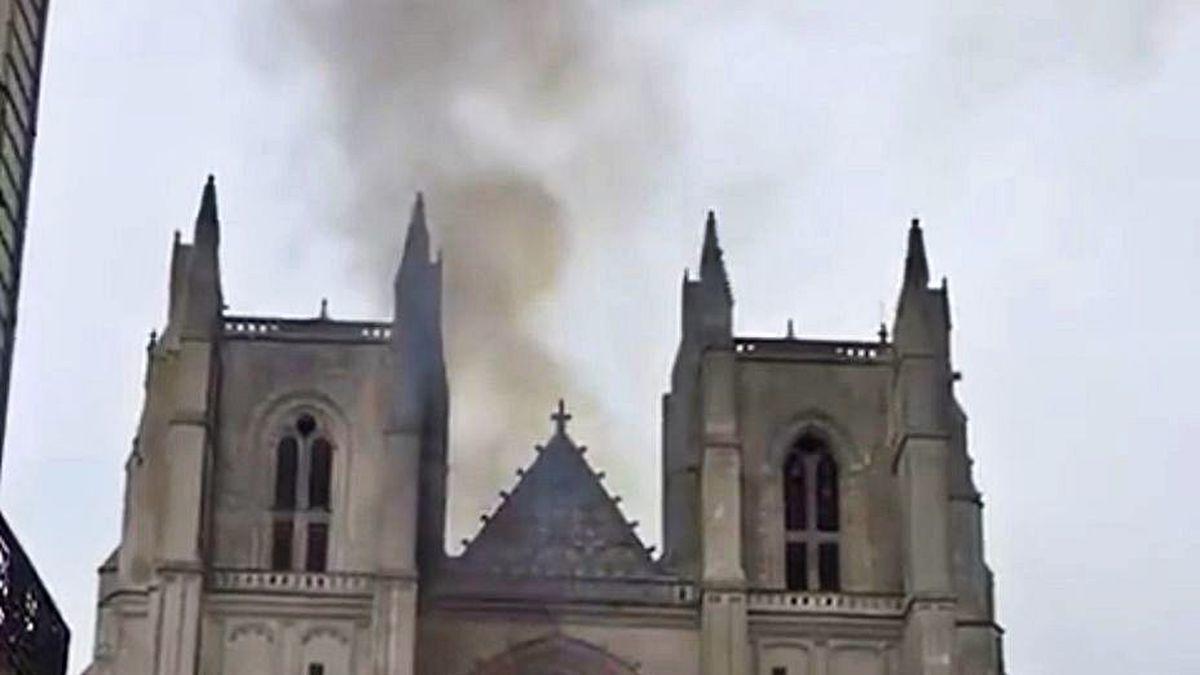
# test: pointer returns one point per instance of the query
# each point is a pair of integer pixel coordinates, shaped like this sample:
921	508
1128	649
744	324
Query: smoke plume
524	122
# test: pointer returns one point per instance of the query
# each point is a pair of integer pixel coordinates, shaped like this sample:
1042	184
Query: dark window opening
779	670
797	566
281	545
316	552
811	516
285	474
319	476
827	494
795	497
827	564
305	425
299	533
316	669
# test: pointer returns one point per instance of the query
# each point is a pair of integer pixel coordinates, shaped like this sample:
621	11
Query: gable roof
559	521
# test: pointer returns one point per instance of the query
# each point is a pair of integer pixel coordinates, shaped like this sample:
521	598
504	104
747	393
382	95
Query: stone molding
311	583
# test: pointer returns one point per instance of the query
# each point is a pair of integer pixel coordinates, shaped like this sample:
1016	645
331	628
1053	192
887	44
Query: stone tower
286	496
287	477
796	466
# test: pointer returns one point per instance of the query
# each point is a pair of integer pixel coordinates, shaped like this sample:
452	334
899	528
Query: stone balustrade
316	583
819	350
801	602
306	330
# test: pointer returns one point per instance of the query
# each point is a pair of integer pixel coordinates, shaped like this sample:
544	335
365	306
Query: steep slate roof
559	521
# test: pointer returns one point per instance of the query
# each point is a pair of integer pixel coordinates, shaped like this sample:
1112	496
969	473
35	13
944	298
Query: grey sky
1049	148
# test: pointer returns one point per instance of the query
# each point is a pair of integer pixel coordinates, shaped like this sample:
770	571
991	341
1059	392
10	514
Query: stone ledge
314	583
800	602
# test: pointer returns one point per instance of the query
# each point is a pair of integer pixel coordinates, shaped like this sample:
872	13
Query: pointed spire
710	255
712	263
204	302
208	203
417	241
916	266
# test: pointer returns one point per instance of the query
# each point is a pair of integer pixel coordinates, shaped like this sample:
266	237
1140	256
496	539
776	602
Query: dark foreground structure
33	637
286	503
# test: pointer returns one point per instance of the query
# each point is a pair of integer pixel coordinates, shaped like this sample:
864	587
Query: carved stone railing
33	636
799	602
306	330
312	583
813	350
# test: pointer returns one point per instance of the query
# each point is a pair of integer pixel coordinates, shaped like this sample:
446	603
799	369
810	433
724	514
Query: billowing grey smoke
528	124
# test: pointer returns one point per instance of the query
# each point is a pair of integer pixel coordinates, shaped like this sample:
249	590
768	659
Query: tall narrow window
793	493
811	517
285	473
318	546
281	545
797	566
827	494
303	497
319	474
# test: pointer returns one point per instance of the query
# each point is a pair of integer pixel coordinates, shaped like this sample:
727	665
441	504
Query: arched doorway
554	655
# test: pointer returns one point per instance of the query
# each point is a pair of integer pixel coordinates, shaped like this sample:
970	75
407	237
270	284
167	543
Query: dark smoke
523	121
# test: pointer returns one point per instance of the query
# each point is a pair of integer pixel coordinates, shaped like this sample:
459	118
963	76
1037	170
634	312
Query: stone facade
285	504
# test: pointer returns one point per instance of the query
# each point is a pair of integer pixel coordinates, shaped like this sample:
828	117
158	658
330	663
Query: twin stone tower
285	504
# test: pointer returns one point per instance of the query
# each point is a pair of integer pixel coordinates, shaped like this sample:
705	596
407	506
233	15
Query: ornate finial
791	330
712	264
916	266
153	339
208	202
324	316
883	333
560	419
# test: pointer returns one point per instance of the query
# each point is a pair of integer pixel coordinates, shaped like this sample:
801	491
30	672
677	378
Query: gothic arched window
303	476
810	502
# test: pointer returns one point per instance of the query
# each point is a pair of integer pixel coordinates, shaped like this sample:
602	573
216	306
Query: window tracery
302	506
811	516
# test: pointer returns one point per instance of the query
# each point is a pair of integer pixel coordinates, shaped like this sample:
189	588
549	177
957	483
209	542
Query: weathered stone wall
285	640
265	385
662	642
779	398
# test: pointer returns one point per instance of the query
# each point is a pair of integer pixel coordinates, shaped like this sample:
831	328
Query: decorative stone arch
328	646
845	449
852	461
271	419
248	648
555	655
793	655
322	631
248	630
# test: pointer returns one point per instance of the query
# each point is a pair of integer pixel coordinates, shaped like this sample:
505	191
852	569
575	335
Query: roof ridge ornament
560	419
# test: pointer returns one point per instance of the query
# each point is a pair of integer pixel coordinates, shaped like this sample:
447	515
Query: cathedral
285	503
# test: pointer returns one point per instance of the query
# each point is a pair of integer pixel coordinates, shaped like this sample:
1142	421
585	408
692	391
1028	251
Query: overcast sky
1049	147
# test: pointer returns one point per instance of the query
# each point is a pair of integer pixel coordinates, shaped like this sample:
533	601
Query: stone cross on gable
560	418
